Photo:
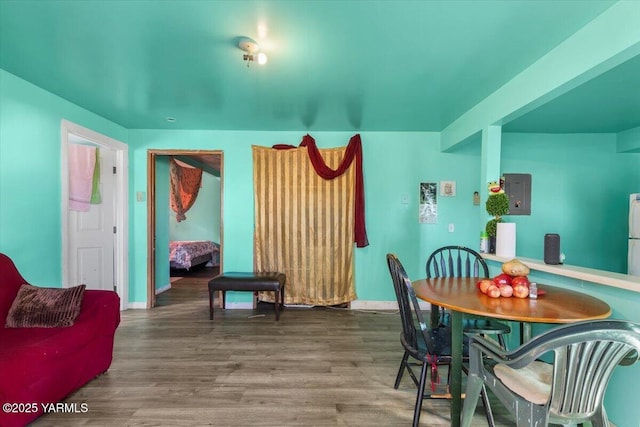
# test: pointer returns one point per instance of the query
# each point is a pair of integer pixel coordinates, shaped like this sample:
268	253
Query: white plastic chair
570	389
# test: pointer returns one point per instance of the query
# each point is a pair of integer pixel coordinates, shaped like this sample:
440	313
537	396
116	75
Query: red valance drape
353	151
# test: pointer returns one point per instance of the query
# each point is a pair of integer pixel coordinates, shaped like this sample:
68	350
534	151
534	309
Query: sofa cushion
36	307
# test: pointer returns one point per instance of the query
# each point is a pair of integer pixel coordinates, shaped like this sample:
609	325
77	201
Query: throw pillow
36	307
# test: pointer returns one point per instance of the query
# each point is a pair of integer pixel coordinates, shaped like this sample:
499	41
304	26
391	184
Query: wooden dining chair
460	261
429	347
568	390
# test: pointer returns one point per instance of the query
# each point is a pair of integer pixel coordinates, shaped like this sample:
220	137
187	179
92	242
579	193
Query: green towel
95	189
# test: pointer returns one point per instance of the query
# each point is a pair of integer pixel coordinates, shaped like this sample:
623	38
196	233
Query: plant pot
492	244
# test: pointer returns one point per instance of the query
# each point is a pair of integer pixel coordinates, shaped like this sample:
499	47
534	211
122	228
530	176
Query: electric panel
518	187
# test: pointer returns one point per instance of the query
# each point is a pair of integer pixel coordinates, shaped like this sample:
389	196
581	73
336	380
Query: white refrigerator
633	265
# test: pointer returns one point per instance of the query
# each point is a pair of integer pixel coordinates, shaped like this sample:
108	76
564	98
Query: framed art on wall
428	203
447	188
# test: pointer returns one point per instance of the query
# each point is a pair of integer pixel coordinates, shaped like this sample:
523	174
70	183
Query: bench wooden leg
276	300
210	304
222	298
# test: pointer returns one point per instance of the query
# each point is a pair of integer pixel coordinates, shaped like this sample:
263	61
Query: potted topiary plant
497	205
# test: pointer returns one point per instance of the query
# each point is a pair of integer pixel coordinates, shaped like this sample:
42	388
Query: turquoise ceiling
333	65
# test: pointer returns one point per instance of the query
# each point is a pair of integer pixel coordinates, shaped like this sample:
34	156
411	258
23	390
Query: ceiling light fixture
251	51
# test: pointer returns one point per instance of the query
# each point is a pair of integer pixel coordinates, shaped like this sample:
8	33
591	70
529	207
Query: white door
92	234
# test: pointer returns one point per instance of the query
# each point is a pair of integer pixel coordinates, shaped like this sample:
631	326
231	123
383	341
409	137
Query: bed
185	254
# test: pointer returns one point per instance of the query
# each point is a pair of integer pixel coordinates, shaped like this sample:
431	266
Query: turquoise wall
238	200
580	190
629	141
394	164
203	219
30	176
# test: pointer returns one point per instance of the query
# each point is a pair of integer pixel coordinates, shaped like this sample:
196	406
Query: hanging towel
96	198
82	160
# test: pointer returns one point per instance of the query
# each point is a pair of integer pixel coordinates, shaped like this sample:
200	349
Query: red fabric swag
354	150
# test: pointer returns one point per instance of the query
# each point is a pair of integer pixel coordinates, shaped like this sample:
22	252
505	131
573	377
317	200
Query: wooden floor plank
315	367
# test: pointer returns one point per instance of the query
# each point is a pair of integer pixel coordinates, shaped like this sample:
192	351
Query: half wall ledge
607	278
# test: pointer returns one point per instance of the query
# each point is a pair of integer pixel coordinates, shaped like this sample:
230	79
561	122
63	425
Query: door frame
121	273
151	212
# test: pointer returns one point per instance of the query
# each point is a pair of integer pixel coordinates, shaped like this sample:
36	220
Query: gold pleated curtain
304	225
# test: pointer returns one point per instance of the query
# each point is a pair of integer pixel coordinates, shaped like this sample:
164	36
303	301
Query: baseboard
163	289
374	305
238	305
137	305
382	305
355	305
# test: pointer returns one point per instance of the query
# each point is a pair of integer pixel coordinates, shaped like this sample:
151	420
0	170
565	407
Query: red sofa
44	365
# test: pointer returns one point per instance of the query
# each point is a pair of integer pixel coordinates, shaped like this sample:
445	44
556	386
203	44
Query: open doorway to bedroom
184	247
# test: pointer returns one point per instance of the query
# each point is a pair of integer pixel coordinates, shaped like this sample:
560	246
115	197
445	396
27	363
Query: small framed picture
447	188
428	203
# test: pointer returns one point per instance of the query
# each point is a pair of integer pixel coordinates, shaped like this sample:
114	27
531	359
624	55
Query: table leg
525	332
456	367
435	316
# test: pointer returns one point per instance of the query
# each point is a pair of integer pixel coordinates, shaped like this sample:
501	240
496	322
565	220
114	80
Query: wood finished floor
315	367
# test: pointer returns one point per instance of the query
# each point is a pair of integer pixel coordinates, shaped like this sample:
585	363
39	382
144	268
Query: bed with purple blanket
185	254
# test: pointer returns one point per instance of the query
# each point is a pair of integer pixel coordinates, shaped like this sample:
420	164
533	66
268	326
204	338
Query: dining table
461	295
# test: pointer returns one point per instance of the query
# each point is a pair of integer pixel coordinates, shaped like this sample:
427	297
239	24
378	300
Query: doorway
211	162
94	243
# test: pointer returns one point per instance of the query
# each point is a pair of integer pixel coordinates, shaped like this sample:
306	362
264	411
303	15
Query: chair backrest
584	365
408	305
456	261
586	354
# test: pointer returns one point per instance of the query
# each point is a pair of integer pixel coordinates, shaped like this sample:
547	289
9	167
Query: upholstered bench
252	282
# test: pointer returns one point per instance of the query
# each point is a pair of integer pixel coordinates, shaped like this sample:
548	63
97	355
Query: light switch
140	196
451	228
404	199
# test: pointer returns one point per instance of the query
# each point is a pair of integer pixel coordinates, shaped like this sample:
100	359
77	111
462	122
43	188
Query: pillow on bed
36	307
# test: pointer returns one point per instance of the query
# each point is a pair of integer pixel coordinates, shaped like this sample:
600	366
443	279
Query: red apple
520	291
502	279
506	291
493	291
484	284
520	280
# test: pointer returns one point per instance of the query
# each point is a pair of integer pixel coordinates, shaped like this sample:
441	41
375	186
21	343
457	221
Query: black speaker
552	249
